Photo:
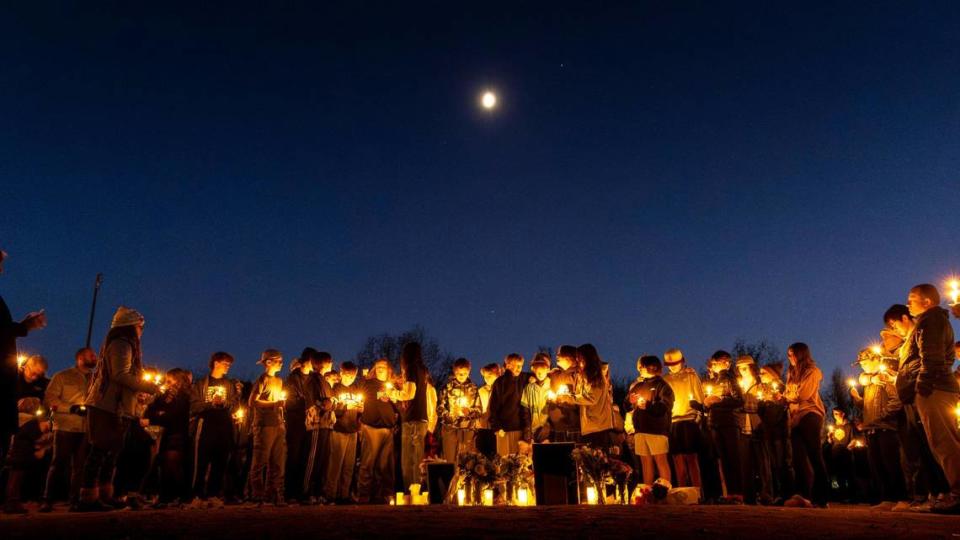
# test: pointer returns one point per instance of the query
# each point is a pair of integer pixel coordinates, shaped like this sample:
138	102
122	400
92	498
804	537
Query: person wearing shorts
651	399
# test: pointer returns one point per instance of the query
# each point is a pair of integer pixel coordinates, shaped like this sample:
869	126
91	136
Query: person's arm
256	397
120	356
590	396
526	416
53	395
431	408
443	406
809	385
406	392
930	344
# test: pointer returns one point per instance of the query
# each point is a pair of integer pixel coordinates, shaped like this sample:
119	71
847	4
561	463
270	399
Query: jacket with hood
655	418
459	404
932	341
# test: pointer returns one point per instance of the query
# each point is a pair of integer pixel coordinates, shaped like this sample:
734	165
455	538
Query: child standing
269	433
459	410
486	438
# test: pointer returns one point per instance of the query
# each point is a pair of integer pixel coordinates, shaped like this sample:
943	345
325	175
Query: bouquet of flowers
516	468
474	466
592	462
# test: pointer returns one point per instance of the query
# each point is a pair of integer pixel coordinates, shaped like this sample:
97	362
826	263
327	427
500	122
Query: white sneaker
901	506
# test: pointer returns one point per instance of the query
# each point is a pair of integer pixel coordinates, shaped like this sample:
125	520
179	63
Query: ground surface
607	522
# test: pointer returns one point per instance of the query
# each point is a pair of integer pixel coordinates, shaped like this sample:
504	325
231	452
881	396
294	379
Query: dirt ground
608	522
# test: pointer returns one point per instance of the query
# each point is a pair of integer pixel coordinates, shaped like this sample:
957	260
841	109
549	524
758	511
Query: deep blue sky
659	174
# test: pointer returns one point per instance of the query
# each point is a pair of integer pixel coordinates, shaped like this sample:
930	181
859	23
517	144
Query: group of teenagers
114	433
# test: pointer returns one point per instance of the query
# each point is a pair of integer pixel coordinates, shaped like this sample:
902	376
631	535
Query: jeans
69	454
937	414
807	457
376	477
412	437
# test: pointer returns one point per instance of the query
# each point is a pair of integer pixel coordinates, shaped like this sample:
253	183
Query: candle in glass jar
401	498
461	497
488	497
523	496
591	495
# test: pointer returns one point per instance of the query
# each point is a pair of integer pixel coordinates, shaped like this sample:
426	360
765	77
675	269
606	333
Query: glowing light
709	389
954	285
488	100
488	497
851	382
523	496
461	497
592	495
39	412
876	349
21	360
239	414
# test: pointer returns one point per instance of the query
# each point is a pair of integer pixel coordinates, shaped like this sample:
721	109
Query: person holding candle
10	330
26	450
840	464
757	479
375	481
269	433
459	409
931	340
171	411
535	398
112	404
723	399
507	415
650	403
774	417
592	394
349	405
685	434
486	440
806	423
564	418
32	380
214	399
923	475
880	409
64	399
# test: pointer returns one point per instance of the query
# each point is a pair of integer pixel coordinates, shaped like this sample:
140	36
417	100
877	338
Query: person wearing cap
880	409
10	330
214	399
534	399
267	400
64	399
723	399
111	406
756	476
685	434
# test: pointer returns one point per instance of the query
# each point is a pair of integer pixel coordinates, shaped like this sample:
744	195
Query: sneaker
46	507
901	506
797	501
921	507
949	504
884	506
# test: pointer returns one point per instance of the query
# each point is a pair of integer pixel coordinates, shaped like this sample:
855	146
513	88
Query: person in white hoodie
685	433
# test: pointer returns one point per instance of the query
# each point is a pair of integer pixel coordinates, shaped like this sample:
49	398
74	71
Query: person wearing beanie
267	400
112	405
685	433
10	330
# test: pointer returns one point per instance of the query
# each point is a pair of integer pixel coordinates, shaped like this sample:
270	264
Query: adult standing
10	330
64	399
592	394
111	405
806	421
937	391
214	400
32	378
507	416
413	415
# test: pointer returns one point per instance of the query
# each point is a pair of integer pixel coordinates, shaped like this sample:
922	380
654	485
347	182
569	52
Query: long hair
592	365
804	361
103	374
411	361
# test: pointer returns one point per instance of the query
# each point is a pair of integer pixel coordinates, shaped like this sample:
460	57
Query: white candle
401	498
461	497
488	497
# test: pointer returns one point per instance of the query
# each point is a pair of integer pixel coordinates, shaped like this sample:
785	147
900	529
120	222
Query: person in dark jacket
923	476
25	451
880	409
775	421
214	399
112	405
300	388
269	438
937	391
375	482
506	412
650	401
10	330
32	380
723	399
564	418
171	412
319	420
349	402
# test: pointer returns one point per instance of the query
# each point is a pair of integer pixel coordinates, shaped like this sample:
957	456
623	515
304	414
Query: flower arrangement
476	467
592	463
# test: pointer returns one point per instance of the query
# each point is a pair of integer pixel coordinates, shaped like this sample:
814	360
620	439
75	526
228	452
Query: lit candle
830	428
39	412
851	382
461	497
523	496
401	498
709	390
239	414
147	376
760	394
488	497
690	396
591	495
282	395
463	402
954	286
775	387
551	395
876	349
21	360
883	368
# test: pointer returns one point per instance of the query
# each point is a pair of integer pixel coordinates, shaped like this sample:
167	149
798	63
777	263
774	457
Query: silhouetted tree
437	360
838	395
762	351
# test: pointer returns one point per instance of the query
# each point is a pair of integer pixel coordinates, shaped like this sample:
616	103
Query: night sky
657	174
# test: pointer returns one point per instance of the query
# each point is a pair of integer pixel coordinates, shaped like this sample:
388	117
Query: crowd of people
109	432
